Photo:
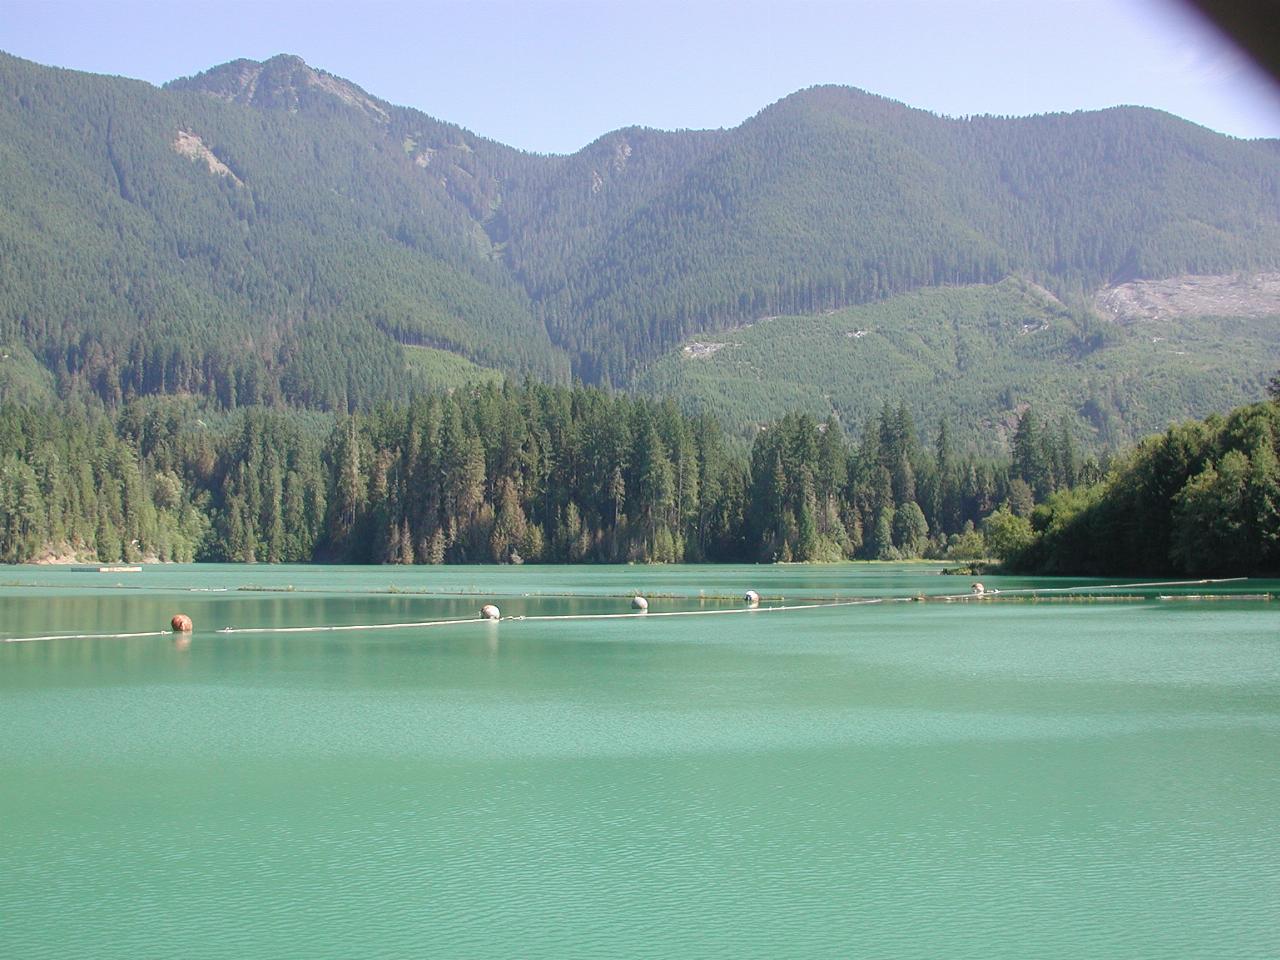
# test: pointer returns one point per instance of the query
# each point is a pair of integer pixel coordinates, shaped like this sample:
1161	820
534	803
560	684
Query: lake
963	780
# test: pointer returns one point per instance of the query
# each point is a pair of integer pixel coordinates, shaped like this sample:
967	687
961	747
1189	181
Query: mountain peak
282	82
848	103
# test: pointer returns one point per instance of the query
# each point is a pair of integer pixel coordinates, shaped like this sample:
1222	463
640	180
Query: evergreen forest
500	474
497	473
270	235
1201	499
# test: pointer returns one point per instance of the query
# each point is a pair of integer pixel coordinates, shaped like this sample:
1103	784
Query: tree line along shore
506	473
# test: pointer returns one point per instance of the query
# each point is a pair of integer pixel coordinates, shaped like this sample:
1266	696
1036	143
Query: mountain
268	231
172	241
833	197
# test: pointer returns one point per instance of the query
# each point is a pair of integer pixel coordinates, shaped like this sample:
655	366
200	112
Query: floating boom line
90	636
986	597
340	627
641	614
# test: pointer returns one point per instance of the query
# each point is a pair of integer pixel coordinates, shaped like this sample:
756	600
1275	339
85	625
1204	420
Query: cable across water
986	597
90	636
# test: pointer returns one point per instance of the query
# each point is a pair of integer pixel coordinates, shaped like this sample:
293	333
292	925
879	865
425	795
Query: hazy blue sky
552	75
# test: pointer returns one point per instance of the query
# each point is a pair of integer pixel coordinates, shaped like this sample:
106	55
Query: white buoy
490	612
978	589
751	597
640	603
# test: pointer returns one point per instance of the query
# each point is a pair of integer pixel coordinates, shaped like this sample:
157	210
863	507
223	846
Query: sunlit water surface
959	780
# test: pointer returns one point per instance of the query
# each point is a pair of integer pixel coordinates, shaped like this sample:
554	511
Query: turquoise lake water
963	780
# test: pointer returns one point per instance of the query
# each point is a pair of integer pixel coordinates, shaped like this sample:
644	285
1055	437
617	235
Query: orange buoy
181	623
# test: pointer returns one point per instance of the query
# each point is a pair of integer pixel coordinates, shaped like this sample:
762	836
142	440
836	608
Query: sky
552	75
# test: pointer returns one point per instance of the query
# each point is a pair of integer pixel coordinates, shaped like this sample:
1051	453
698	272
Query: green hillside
975	355
270	233
165	241
833	197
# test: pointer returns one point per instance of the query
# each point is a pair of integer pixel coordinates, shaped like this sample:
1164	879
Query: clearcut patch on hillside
701	350
1229	295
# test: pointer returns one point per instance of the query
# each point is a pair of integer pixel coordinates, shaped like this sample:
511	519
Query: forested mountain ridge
267	232
833	197
164	241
